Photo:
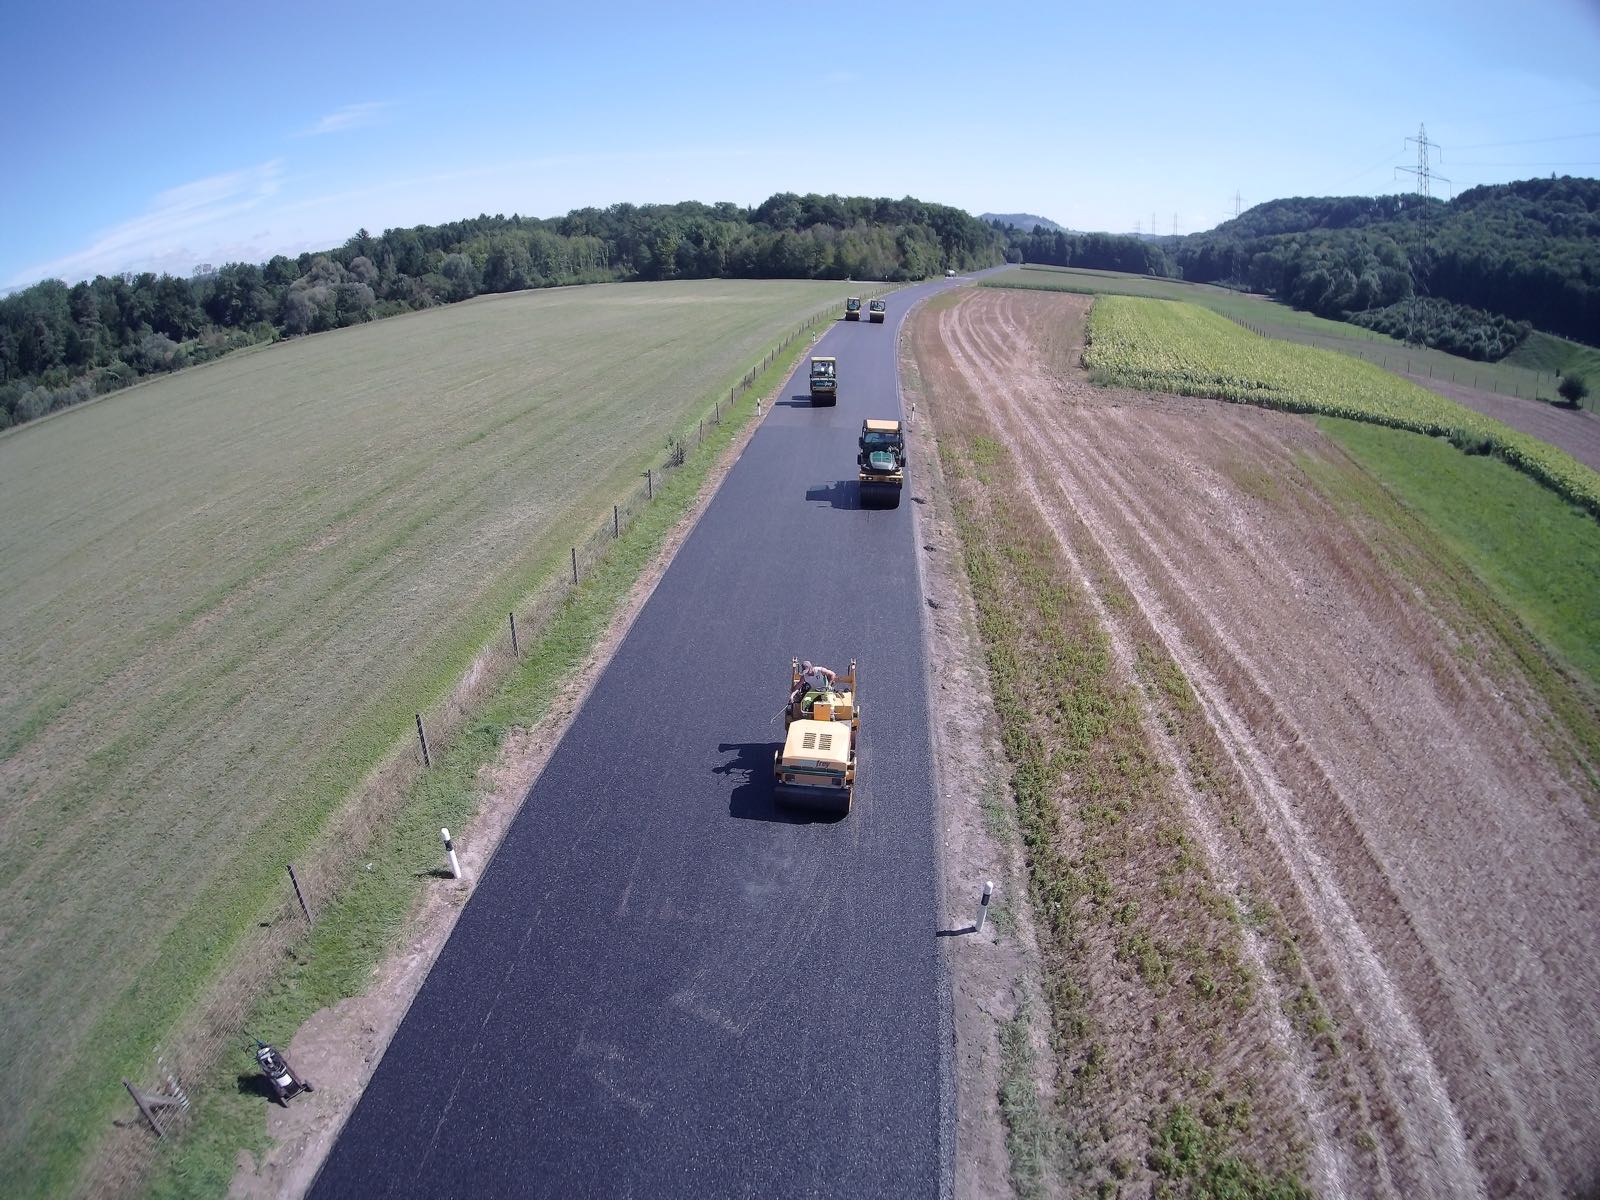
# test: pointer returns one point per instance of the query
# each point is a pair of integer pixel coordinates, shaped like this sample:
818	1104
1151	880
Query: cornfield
1166	346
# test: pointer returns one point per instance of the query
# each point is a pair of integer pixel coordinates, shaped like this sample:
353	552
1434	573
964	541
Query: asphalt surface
664	985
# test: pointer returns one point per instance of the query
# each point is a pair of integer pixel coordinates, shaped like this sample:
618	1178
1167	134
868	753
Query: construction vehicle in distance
876	310
816	768
881	464
852	309
824	381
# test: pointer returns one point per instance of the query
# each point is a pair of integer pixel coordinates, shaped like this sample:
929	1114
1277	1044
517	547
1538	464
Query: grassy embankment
1531	370
1545	353
227	592
1145	976
1538	554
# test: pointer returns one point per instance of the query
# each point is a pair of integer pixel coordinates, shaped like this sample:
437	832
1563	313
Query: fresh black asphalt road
663	985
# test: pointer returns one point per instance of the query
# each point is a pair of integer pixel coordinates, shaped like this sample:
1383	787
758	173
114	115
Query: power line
1565	137
1589	163
1386	161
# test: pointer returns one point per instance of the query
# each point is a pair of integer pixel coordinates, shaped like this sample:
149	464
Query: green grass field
1531	371
1538	554
224	594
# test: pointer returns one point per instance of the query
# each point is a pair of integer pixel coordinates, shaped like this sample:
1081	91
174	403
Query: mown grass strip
1156	345
360	925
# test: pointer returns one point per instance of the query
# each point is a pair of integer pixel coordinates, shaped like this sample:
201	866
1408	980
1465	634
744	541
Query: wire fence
217	1025
534	617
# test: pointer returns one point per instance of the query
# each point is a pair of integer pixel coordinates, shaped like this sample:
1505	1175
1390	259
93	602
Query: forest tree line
1525	252
61	344
1491	264
1094	251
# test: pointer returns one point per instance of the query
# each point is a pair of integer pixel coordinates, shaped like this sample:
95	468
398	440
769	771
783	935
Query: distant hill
1528	250
1026	222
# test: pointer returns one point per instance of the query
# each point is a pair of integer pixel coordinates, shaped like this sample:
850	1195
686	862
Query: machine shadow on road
801	401
842	493
753	799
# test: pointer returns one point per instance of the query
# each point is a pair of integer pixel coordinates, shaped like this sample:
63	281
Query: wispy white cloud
175	221
249	215
351	116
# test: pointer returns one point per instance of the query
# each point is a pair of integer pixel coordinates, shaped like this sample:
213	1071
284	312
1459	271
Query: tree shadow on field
753	800
841	493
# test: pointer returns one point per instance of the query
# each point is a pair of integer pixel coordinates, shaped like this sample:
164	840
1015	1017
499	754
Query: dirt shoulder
994	974
1365	779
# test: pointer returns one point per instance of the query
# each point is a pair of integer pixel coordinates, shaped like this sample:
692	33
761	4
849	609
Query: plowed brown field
1388	782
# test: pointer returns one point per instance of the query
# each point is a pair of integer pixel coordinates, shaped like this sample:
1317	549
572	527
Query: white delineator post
983	906
450	849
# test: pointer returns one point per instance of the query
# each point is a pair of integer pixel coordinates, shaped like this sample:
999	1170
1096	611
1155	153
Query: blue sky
162	135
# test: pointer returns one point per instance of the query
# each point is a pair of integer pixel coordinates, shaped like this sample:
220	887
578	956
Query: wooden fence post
143	1108
616	523
574	564
514	648
649	485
